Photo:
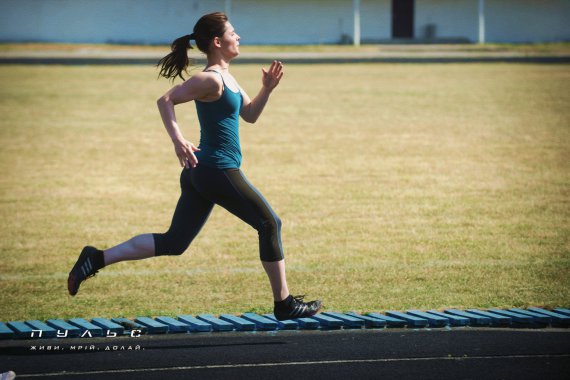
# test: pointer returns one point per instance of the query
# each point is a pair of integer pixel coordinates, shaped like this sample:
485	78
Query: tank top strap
221	76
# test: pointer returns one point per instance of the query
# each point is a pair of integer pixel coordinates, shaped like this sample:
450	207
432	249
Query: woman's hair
209	26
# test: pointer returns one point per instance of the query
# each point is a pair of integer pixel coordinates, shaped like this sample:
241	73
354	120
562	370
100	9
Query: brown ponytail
176	62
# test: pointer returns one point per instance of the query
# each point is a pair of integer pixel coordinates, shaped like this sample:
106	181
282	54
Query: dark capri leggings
202	187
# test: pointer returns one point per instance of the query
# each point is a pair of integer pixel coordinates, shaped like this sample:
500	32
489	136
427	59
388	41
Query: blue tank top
219	130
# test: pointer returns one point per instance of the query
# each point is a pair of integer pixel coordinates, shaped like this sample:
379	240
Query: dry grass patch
400	186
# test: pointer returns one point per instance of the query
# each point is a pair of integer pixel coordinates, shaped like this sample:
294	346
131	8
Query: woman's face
229	42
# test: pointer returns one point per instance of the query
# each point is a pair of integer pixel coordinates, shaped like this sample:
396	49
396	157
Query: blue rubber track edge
45	331
347	320
217	324
261	323
474	319
64	328
454	320
557	318
410	319
390	321
196	325
6	332
240	324
174	326
21	329
288	324
537	317
433	320
368	320
153	326
108	326
328	322
496	319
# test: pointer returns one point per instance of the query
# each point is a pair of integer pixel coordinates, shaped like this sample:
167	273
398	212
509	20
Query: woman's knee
270	226
168	244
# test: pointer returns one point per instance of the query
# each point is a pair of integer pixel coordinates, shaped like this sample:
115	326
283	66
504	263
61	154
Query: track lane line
320	362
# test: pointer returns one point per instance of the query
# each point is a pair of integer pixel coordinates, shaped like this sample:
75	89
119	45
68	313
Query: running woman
211	172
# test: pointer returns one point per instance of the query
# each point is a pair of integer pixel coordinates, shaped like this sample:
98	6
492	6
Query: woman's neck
218	63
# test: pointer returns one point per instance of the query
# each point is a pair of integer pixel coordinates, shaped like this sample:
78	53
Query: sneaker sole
72	283
305	316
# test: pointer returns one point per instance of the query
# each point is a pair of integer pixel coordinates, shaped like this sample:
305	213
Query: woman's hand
185	152
272	77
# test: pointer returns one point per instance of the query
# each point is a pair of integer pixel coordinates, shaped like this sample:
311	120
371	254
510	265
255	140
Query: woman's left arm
251	109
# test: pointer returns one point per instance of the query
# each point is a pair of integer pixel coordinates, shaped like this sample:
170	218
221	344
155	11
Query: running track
446	353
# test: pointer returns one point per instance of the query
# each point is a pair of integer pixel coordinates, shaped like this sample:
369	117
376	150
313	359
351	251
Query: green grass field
399	186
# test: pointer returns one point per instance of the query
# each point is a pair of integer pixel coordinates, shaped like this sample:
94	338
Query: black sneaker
89	262
294	307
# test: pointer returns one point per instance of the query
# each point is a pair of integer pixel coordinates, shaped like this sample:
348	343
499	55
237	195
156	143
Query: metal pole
356	17
481	21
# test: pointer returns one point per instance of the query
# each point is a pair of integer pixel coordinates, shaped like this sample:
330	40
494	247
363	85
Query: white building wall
154	21
452	18
100	21
527	20
307	22
505	20
375	20
276	21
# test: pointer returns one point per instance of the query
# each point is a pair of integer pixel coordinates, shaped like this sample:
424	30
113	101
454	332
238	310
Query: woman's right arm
199	86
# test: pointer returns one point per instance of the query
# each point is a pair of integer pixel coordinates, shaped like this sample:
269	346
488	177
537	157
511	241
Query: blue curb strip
390	321
329	320
538	318
474	319
454	320
563	311
173	324
433	320
348	320
240	324
307	323
518	318
288	324
64	327
557	319
261	323
86	327
130	325
153	326
217	324
108	326
5	332
196	325
411	320
21	330
45	330
496	319
368	321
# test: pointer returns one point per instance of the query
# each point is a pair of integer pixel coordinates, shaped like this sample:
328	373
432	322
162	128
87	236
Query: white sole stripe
320	362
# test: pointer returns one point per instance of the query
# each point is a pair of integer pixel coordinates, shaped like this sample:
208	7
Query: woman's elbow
164	101
161	100
249	118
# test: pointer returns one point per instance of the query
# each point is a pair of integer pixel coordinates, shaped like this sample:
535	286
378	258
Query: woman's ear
217	42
